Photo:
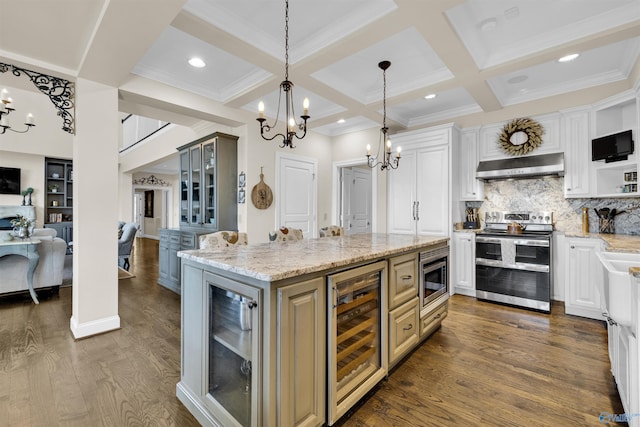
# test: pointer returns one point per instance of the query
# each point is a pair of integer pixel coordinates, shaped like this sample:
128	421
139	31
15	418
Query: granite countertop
281	260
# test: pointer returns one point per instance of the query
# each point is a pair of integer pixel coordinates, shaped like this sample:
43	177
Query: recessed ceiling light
196	62
430	96
488	24
341	121
569	58
517	79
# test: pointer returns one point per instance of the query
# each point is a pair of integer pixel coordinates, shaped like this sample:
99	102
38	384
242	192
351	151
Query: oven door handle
480	239
517	266
539	243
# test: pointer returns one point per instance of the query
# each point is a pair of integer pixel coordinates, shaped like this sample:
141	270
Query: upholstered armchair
125	243
285	234
332	230
221	239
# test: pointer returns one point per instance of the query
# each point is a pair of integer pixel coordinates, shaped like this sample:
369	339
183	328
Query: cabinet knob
252	304
568	189
573	247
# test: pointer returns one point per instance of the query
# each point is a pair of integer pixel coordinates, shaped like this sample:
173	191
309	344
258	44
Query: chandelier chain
286	40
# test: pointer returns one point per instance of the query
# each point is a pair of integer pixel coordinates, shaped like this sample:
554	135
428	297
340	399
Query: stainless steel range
514	256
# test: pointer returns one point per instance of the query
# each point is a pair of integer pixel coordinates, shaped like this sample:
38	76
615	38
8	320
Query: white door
346	180
297	193
138	211
360	201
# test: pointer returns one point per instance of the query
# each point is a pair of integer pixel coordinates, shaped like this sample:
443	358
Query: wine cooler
356	335
234	362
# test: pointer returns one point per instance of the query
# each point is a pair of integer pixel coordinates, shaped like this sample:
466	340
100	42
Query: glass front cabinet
208	182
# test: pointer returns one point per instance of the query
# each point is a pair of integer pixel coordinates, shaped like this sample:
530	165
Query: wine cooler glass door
233	363
357	355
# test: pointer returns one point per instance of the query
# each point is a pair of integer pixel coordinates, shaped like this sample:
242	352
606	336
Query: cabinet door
174	264
471	189
582	273
576	157
302	358
401	191
404	329
464	257
209	183
195	189
403	279
184	187
433	191
163	261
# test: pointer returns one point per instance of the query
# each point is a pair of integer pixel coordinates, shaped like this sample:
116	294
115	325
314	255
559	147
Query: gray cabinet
172	241
58	209
208	183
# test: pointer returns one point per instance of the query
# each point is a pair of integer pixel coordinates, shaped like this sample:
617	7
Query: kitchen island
260	324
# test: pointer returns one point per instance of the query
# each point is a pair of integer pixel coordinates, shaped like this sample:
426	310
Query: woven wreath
532	129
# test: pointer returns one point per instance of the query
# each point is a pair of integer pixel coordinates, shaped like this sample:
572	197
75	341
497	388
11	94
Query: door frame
335	191
296	158
167	200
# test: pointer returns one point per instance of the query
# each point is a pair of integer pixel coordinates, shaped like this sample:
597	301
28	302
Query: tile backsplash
548	194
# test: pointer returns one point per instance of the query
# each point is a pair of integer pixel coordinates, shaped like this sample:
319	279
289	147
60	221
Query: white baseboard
94	327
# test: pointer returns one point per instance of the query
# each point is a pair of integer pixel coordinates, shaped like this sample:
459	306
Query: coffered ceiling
476	56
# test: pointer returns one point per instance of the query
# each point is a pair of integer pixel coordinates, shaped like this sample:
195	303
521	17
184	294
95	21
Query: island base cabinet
404	329
302	353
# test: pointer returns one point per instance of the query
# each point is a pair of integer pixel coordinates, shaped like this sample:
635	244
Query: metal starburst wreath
521	136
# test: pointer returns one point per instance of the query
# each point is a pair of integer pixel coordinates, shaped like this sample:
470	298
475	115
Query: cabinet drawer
403	280
432	320
188	241
403	329
174	238
164	236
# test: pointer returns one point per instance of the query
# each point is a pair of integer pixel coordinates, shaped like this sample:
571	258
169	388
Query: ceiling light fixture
569	58
287	87
6	107
341	121
387	162
197	62
430	96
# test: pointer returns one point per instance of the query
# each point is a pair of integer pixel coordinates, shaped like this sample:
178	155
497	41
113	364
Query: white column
95	210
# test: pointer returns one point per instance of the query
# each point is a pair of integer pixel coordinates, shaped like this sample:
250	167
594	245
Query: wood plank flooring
488	365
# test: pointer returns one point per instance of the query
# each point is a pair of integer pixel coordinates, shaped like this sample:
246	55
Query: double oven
516	269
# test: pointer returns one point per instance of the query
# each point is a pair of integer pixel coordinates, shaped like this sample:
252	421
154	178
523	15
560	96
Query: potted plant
53	188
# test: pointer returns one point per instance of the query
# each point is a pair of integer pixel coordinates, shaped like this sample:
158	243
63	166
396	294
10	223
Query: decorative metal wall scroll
61	92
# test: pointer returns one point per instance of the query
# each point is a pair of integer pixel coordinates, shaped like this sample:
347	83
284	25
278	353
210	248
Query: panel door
360	201
298	194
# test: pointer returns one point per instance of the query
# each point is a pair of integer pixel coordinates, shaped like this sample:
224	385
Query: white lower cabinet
583	270
463	263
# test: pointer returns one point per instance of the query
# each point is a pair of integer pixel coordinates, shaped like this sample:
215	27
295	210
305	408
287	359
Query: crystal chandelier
286	86
6	107
386	161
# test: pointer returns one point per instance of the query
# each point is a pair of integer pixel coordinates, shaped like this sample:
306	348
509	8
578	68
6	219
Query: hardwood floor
487	365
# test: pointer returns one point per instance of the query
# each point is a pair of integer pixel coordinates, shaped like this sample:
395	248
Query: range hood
522	167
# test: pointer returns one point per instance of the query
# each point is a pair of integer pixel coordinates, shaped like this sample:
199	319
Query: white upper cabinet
466	160
575	126
419	191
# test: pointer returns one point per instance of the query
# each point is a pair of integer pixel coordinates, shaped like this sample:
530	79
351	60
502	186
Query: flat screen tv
612	148
9	180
